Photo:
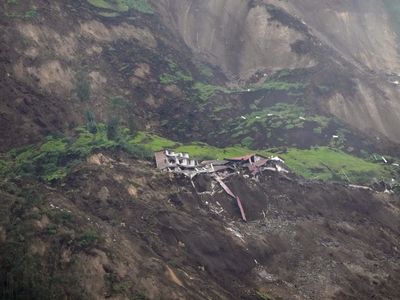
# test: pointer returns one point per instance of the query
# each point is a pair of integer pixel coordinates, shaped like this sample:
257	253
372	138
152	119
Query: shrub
112	128
90	122
204	91
140	5
174	74
138	151
82	86
247	141
31	13
88	239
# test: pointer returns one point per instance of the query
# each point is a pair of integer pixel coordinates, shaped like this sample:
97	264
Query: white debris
257	117
249	90
302	118
281	169
360	187
265	75
270	115
187	275
396	165
276	158
384	160
335	136
235	233
243	117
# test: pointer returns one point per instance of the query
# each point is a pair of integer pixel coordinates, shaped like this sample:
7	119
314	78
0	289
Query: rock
132	191
104	193
100	159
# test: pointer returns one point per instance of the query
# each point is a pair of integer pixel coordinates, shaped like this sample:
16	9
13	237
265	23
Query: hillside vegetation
55	158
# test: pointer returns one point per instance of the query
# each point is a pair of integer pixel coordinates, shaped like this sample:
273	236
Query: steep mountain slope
358	30
89	88
246	37
209	62
118	229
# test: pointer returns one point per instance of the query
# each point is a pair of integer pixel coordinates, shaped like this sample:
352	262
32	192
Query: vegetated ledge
56	157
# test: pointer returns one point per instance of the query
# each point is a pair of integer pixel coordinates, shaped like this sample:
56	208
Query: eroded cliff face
361	31
155	63
245	37
242	36
239	37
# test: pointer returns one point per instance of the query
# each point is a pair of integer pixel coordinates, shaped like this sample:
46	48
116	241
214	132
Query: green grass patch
321	163
205	91
174	74
152	141
329	164
53	159
142	6
108	14
279	116
177	77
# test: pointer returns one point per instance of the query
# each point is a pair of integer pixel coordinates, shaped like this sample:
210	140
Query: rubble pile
181	163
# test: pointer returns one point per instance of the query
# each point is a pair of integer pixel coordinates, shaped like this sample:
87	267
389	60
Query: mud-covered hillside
116	228
359	37
90	89
181	67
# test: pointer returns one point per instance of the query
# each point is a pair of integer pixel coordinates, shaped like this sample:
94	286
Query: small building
245	161
181	163
170	160
213	166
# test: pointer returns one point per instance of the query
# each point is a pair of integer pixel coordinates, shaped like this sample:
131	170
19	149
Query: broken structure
181	163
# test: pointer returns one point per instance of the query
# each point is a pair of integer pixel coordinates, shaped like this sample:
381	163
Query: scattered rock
104	193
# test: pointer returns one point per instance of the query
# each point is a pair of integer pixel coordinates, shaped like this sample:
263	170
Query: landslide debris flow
119	228
83	81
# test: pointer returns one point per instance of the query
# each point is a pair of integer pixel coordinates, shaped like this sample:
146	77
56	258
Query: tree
112	128
91	122
83	88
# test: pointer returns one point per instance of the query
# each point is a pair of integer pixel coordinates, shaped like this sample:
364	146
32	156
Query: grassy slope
53	159
123	5
318	163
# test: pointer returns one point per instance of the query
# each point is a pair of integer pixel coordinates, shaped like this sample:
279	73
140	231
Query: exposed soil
42	58
117	228
303	240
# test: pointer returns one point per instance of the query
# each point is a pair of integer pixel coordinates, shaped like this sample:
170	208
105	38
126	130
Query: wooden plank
230	193
241	208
